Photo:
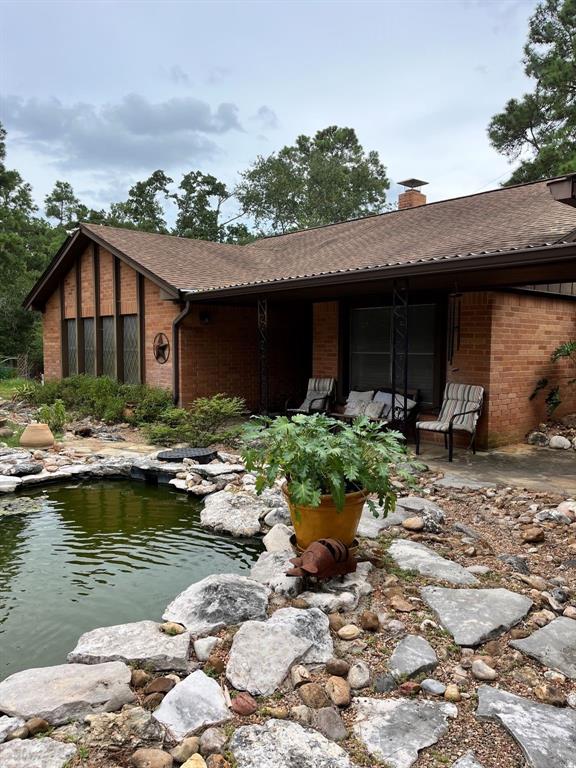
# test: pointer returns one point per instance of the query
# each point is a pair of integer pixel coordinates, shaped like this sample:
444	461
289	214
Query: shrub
7	372
210	420
54	415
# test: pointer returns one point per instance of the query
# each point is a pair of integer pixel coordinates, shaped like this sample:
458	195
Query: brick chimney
411	197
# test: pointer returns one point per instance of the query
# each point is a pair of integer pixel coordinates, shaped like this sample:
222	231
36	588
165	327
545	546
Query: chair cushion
374	410
457	399
443	426
355	407
362	397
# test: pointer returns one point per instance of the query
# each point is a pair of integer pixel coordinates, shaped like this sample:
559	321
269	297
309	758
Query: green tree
199	200
26	244
539	129
63	205
318	180
143	210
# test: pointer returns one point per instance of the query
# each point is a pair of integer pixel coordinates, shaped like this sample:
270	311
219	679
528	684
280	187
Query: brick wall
87	282
158	317
525	332
106	283
70	294
325	359
51	336
128	281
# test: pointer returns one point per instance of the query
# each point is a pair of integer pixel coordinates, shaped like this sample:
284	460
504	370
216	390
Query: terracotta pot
325	521
37	436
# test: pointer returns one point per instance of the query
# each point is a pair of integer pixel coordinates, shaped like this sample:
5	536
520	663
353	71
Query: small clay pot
37	436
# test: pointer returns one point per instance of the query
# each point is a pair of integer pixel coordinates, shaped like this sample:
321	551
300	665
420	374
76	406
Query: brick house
485	285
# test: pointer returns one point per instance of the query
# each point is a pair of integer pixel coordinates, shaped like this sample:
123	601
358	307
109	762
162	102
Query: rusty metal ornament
324	559
161	347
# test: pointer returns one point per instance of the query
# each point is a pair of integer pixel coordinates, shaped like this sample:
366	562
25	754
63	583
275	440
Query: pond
97	555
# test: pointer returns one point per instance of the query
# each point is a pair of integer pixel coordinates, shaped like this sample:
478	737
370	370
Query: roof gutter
440	265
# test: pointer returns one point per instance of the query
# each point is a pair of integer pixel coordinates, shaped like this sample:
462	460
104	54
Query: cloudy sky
103	93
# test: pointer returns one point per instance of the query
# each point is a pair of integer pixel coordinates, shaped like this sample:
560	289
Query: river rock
218	601
473	616
141	642
328	721
432	686
559	441
278	539
284	744
432	515
8	725
483	671
338	689
359	675
129	729
29	753
66	691
192	704
395	730
261	656
187	747
244	704
270	569
412	556
554	646
212	740
467	761
151	758
236	513
546	735
412	656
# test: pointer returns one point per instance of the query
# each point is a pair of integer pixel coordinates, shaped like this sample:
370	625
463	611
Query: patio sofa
376	405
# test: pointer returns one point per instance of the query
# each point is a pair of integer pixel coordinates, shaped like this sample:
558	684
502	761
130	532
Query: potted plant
330	470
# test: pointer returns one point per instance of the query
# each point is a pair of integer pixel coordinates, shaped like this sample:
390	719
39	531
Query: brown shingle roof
502	219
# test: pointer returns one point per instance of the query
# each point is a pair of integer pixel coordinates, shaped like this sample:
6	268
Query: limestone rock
66	691
412	556
218	601
195	702
473	616
554	646
434	687
261	656
467	761
311	624
546	735
29	753
342	593
395	730
236	513
270	569
131	728
284	744
559	441
8	484
8	725
359	675
140	642
278	538
432	515
412	656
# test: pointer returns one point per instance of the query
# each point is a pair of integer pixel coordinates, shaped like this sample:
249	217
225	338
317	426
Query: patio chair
318	397
461	409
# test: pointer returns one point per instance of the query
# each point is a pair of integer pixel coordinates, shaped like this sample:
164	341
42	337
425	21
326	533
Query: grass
9	386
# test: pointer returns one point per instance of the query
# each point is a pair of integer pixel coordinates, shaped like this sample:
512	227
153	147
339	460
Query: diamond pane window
130	349
108	347
72	347
89	347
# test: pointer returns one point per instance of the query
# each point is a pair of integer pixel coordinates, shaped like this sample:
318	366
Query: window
108	347
130	349
72	348
371	348
89	347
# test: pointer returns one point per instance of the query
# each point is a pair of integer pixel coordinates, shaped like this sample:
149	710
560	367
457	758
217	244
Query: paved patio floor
525	466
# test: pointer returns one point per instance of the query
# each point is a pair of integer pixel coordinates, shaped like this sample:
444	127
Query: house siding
326	334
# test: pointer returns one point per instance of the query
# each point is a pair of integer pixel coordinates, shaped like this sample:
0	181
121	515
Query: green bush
7	372
210	420
99	397
54	415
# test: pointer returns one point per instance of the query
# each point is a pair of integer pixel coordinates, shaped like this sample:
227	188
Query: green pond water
97	555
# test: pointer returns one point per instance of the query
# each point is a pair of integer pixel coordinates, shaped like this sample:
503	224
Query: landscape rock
395	730
467	761
482	671
533	535
244	704
338	689
410	555
151	758
311	624
554	646
558	441
9	484
328	721
338	667
278	539
412	656
131	728
236	513
204	646
434	687
36	753
195	702
359	675
516	562
432	515
369	621
284	744
212	740
278	516
218	601
8	725
342	593
270	569
187	747
66	691
473	616
140	642
262	654
313	695
349	632
545	734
